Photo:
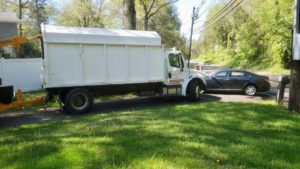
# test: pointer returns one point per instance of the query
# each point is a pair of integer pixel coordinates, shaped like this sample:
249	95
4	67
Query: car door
218	81
237	80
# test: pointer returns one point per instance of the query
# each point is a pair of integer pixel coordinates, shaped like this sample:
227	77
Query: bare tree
152	7
129	15
21	5
38	11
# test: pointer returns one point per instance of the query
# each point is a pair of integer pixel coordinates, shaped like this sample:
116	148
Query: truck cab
181	80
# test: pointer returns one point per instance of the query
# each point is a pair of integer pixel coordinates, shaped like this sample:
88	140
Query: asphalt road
15	119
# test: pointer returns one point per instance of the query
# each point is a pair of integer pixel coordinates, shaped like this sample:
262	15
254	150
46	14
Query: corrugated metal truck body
82	57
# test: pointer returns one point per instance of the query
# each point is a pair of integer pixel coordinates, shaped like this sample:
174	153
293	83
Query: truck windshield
176	60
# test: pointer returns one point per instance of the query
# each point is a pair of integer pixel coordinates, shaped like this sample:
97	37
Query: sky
185	10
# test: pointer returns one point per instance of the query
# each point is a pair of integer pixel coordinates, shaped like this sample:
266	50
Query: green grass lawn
200	135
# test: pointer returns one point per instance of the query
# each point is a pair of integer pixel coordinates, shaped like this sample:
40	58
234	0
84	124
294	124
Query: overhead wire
222	11
201	4
212	2
210	24
227	6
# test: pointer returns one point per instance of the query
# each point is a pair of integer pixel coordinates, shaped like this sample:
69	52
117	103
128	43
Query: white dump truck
80	63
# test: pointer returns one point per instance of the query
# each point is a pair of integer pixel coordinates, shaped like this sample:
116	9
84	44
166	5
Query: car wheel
78	101
250	90
195	91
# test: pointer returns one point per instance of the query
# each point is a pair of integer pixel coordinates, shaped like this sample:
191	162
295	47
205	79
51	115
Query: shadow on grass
206	135
16	119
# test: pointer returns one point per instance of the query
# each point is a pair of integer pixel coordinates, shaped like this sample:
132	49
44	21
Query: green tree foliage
167	24
38	14
30	50
164	19
257	34
82	13
162	16
150	8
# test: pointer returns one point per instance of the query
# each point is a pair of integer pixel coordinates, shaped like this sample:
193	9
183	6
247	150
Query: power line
201	4
210	25
223	10
212	2
220	12
227	6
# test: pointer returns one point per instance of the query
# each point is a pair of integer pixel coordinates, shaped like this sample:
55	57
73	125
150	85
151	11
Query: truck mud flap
6	94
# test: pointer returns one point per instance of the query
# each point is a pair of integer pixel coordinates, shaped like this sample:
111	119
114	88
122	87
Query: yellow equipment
17	41
20	102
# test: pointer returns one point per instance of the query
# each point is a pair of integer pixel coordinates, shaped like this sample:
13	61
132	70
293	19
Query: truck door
176	69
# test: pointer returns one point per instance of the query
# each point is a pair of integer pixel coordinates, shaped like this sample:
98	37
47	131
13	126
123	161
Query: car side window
237	74
174	60
221	74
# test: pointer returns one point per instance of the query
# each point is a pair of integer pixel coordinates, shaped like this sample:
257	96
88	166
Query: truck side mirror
0	82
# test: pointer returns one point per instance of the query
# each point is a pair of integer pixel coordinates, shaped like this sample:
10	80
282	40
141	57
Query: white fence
23	74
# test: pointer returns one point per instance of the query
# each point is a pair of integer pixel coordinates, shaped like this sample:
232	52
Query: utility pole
294	97
194	17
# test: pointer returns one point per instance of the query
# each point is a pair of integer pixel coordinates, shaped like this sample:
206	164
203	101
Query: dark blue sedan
237	81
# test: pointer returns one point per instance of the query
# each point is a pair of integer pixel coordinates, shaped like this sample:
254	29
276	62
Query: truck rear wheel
78	101
195	90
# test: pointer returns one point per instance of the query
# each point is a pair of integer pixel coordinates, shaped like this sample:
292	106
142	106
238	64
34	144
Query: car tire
250	90
78	101
195	90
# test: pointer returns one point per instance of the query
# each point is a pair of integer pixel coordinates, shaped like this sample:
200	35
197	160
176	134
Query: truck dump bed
92	56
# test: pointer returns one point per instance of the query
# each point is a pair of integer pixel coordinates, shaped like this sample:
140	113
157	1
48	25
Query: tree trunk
20	17
294	98
129	15
38	16
146	22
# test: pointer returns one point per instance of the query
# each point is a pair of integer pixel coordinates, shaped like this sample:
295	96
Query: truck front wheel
195	90
78	101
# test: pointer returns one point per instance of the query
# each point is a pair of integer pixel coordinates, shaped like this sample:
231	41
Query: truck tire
78	101
195	90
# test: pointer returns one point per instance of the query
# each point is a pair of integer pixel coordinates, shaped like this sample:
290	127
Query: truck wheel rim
79	101
250	90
